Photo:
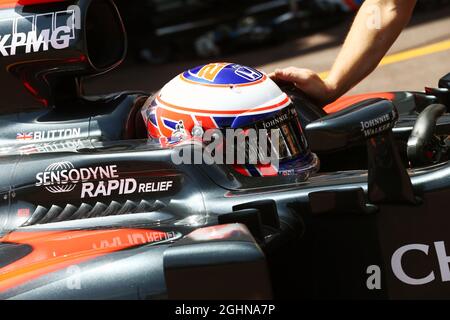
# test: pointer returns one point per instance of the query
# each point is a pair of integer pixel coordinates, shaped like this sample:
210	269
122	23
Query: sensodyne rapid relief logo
35	33
63	177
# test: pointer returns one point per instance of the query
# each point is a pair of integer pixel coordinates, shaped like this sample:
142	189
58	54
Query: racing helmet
230	96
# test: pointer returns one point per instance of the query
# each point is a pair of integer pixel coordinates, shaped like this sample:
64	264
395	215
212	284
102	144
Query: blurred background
168	36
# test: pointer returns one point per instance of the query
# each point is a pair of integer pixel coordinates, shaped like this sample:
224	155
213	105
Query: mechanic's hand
320	91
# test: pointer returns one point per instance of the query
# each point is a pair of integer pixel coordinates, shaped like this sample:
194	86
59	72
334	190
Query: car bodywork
89	209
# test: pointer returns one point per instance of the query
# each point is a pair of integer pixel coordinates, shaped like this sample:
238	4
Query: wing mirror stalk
371	122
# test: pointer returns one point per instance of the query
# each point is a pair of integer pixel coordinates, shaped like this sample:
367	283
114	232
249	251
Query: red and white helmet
230	96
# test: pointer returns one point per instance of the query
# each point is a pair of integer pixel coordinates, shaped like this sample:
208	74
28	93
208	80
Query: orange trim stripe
22	3
56	250
347	101
222	112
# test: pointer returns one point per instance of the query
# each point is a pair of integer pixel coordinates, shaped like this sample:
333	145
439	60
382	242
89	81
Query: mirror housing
444	82
420	140
370	121
351	126
51	45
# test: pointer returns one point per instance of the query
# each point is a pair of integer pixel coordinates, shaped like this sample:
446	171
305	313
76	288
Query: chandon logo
36	33
401	272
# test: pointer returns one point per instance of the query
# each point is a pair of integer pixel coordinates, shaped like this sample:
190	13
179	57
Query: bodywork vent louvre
127	208
51	214
82	211
97	210
67	213
37	215
43	215
112	209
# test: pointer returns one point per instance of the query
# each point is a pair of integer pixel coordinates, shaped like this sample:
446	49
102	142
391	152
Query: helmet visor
284	126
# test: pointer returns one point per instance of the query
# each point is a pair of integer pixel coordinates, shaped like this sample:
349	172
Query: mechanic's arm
362	51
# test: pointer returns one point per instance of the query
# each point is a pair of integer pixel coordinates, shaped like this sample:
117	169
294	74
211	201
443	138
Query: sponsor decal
136	238
24	136
277	121
62	177
121	187
36	33
248	73
56	134
56	178
223	74
377	125
401	270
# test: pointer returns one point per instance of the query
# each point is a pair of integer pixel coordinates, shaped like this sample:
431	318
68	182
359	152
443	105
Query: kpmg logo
36	33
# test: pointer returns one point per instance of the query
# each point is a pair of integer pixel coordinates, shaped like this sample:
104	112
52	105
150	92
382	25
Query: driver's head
230	96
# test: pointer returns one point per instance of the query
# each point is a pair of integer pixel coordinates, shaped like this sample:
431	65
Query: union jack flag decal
24	136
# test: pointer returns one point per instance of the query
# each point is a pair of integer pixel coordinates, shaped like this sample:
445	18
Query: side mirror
351	126
370	121
420	147
444	82
443	92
